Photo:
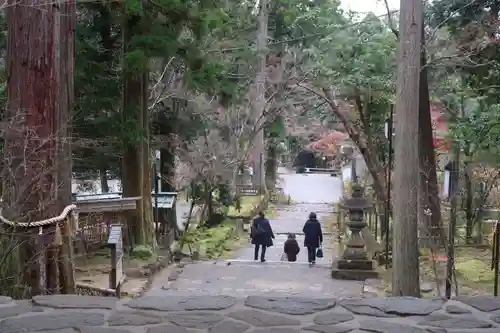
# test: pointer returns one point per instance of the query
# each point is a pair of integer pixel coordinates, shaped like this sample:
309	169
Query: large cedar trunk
136	170
40	55
167	169
259	97
405	259
429	190
271	165
168	129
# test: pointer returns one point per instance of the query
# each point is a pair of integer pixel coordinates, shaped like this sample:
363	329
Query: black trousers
311	254
262	253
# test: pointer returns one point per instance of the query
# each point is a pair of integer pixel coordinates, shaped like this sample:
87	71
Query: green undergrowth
214	242
473	271
247	205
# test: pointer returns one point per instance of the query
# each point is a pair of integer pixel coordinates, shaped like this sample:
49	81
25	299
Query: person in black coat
313	237
292	248
262	236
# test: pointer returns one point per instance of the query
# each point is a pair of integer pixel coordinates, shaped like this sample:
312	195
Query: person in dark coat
262	236
313	237
292	248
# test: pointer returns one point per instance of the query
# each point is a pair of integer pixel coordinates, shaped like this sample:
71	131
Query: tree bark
259	102
469	214
406	172
429	189
103	177
271	164
136	169
40	61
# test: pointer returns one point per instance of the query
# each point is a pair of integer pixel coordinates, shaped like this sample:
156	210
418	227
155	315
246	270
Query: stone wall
257	314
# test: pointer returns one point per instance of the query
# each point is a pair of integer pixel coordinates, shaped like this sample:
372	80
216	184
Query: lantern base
365	265
353	275
357	270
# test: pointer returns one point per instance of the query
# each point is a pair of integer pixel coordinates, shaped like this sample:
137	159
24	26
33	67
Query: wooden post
67	267
115	243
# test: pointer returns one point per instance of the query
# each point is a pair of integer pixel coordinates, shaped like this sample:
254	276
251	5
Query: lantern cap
357	200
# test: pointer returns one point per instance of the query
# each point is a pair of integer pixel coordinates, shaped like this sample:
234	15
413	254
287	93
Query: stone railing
262	314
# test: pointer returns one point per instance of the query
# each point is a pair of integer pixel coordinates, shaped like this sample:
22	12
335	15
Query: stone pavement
291	219
241	276
253	314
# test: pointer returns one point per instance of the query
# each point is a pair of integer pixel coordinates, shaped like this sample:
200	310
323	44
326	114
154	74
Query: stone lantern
355	263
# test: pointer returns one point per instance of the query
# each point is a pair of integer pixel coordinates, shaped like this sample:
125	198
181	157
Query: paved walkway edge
225	314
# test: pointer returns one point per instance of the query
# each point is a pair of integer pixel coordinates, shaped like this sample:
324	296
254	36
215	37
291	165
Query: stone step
271	263
325	234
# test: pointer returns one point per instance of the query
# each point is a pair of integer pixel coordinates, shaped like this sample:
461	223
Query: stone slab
263	319
290	305
182	303
455	309
51	321
328	329
75	302
198	320
482	303
393	306
229	326
15	309
379	326
167	328
460	322
333	318
5	299
90	329
220	314
132	318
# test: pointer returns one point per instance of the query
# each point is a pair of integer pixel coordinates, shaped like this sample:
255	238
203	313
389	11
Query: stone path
241	276
253	314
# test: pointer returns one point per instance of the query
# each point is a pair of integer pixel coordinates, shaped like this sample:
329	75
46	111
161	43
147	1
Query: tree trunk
271	164
469	196
369	152
103	177
405	258
146	166
428	189
259	100
136	169
167	170
40	54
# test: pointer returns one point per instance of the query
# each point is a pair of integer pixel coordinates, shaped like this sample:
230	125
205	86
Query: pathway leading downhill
242	276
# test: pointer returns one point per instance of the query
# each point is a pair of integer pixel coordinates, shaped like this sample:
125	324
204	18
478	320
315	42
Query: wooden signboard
115	243
245	190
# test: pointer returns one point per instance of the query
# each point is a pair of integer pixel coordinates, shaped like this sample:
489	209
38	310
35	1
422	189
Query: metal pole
454	178
390	129
496	258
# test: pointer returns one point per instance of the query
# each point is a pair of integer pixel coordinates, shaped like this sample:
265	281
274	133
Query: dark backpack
256	230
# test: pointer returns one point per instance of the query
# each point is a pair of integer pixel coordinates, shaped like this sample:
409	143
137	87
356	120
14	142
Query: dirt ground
474	275
93	270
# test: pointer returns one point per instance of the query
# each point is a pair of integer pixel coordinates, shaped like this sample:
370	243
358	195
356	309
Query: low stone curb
261	314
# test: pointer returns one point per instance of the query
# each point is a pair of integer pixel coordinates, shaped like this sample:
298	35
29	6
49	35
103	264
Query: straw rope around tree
41	223
47	222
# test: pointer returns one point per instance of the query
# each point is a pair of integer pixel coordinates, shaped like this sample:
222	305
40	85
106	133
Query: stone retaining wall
259	314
